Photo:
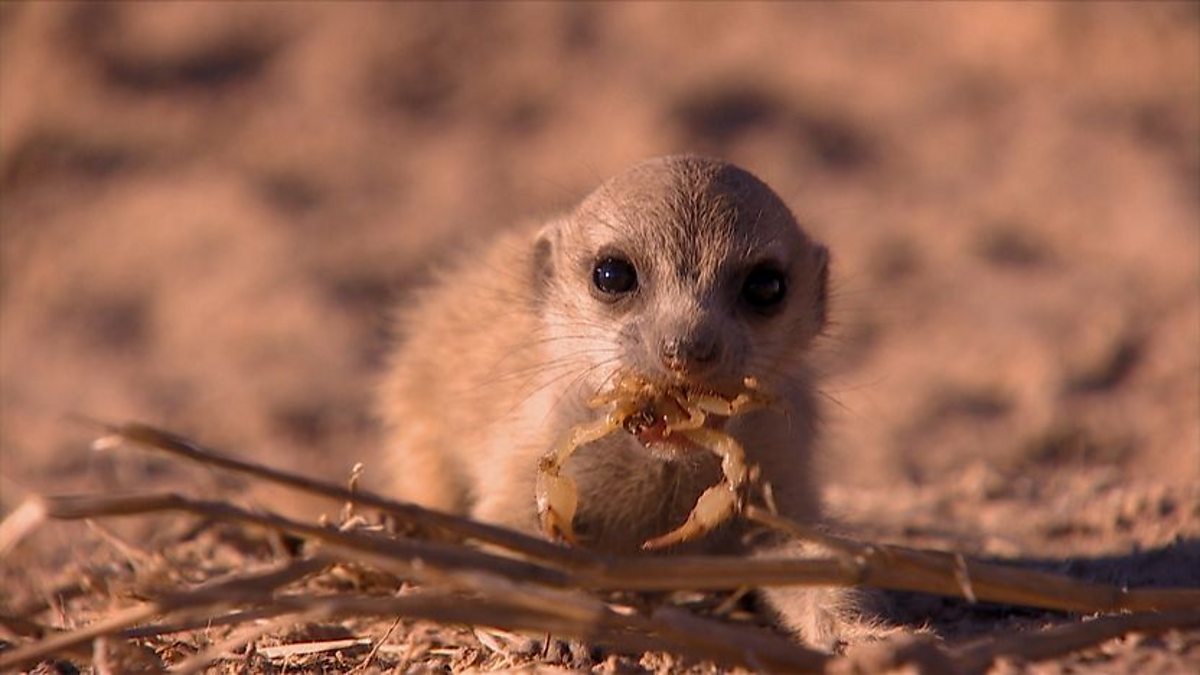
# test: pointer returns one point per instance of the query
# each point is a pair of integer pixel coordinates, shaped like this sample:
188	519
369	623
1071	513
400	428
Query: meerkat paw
831	619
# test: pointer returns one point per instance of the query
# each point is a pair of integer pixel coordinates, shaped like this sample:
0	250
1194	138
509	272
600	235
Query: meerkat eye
764	288
614	276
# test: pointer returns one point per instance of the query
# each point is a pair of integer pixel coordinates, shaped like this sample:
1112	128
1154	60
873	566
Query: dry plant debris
515	586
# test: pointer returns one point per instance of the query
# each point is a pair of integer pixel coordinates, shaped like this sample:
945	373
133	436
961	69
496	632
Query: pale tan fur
496	360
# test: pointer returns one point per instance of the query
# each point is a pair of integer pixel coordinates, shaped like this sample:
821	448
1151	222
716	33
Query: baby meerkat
687	271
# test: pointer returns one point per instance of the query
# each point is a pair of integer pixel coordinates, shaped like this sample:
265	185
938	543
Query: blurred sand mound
207	206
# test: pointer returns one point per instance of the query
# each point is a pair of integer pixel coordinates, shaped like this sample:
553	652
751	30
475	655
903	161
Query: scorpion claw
557	501
714	507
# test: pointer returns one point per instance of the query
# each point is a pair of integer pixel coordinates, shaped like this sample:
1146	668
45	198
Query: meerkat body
684	269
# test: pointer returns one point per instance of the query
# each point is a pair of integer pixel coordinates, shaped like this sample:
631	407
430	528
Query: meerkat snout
690	354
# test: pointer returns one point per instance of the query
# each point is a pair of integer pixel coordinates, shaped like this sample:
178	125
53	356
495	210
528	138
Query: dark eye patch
764	288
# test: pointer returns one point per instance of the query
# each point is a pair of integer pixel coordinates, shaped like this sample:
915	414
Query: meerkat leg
424	474
826	618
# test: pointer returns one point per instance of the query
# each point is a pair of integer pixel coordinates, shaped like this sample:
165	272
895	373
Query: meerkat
686	269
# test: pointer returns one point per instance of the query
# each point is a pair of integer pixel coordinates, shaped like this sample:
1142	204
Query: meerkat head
683	268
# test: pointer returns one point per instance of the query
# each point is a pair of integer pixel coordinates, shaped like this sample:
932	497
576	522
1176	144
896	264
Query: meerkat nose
690	355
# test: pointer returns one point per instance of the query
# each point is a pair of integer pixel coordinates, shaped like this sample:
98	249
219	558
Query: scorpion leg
714	404
718	502
694	420
714	507
626	388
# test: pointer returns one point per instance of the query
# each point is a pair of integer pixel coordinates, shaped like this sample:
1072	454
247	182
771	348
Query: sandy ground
207	210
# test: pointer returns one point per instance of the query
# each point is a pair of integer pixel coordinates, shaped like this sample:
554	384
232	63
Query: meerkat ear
543	257
821	284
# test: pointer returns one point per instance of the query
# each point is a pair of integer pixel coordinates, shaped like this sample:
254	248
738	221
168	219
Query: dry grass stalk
203	659
496	599
951	574
1068	638
543	591
239	590
150	437
596	622
890	567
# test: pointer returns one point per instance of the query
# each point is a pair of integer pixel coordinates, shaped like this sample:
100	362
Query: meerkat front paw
831	619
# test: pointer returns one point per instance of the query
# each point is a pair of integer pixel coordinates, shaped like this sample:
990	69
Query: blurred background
207	210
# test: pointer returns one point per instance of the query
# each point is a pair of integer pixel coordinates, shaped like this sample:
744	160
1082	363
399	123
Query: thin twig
943	573
151	437
240	589
375	647
201	660
1059	640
